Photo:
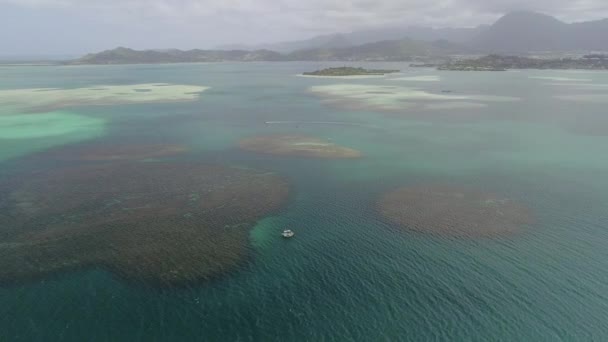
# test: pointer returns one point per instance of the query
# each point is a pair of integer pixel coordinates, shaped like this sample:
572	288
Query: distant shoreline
20	64
503	63
464	66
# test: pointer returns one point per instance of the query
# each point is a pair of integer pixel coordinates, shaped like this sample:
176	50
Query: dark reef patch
113	152
453	211
297	146
162	224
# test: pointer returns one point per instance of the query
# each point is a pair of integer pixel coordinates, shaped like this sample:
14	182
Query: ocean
351	273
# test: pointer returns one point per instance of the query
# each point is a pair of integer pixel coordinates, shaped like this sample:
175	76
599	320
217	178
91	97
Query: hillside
129	56
393	50
524	32
515	32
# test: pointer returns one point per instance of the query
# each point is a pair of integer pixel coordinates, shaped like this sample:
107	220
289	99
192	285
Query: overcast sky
30	27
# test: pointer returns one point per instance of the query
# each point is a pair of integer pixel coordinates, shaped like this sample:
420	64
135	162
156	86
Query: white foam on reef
339	123
310	143
582	71
392	98
425	78
352	77
48	99
560	79
494	98
454	105
579	85
587	98
364	91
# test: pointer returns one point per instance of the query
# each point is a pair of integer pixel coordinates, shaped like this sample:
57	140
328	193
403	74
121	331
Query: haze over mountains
515	33
342	40
521	32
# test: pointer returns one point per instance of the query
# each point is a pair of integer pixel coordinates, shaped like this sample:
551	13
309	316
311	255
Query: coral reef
297	145
453	211
114	152
161	224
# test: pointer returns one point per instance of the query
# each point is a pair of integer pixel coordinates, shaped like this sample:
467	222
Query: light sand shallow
48	99
393	98
584	98
425	78
560	79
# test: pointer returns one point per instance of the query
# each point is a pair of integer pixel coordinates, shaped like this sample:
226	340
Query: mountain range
521	32
515	33
343	40
388	50
124	55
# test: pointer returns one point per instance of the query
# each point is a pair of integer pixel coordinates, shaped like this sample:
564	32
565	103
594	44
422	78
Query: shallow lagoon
348	274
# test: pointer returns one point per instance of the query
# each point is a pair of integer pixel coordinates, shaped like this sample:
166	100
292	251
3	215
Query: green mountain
516	32
390	50
123	55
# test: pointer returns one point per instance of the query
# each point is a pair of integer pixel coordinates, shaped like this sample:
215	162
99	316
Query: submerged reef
21	134
114	152
453	211
297	145
161	224
48	125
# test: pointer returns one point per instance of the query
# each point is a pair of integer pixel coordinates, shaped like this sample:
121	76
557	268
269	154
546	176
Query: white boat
287	233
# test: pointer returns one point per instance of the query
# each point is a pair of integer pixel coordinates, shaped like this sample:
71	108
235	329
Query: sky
75	27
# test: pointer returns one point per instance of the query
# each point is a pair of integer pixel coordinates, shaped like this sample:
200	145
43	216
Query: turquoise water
347	275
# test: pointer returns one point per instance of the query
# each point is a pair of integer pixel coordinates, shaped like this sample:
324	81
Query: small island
349	71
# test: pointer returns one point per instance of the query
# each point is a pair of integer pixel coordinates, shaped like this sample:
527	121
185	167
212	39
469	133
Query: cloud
568	10
203	23
327	12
